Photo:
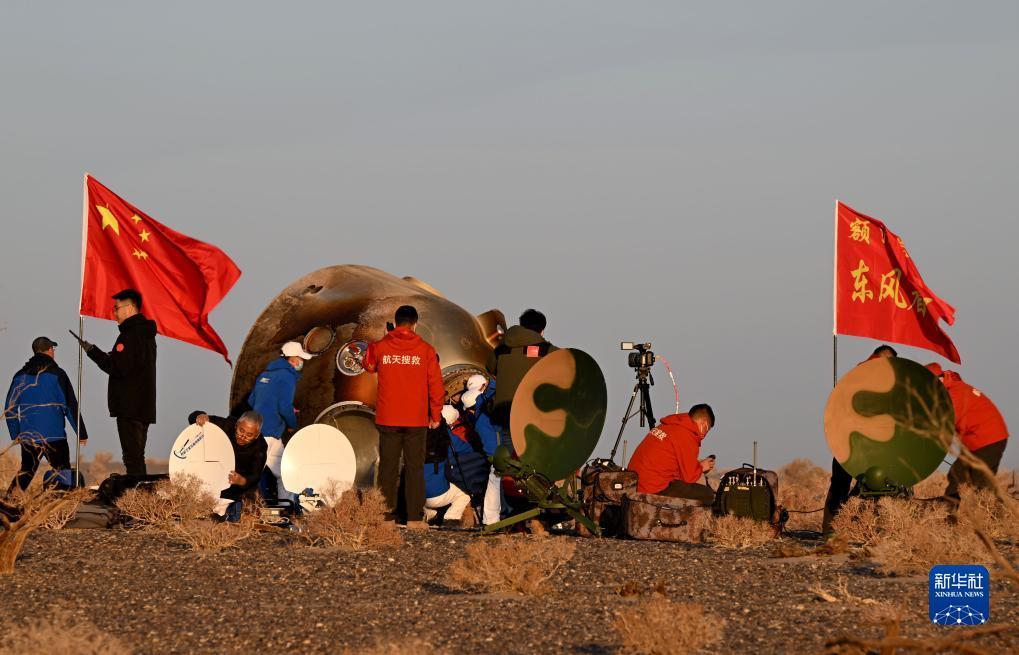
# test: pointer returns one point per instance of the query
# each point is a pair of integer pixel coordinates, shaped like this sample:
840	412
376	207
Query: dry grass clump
981	508
211	537
802	486
33	510
351	520
514	564
738	533
64	512
167	503
410	646
932	486
908	537
658	626
59	632
857	521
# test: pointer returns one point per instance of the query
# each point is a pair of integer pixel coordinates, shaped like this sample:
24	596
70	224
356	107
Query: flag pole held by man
131	261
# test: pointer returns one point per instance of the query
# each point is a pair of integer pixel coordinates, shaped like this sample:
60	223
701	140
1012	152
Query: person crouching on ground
475	401
249	446
981	429
410	399
273	398
666	461
439	492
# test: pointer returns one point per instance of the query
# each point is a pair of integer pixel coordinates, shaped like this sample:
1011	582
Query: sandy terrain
273	595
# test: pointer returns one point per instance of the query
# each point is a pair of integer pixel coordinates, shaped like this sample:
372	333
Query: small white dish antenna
204	452
316	457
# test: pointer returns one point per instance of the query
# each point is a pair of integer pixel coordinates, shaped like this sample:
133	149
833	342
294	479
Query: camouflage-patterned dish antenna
891	414
558	412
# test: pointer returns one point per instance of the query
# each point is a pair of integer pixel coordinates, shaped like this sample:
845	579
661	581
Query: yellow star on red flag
109	220
140	254
144	234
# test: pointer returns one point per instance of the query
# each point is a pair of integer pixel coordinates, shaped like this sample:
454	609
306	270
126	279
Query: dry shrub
932	486
67	511
100	467
33	510
658	626
167	503
411	646
802	487
351	520
514	564
857	521
981	508
10	463
212	537
59	632
738	532
912	537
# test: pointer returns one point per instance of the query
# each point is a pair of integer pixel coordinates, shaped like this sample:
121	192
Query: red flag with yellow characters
181	279
879	293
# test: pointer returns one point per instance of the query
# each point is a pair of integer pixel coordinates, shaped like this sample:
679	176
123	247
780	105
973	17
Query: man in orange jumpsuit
980	427
666	461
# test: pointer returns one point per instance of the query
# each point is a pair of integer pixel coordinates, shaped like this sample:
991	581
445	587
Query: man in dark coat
131	365
40	399
250	448
521	348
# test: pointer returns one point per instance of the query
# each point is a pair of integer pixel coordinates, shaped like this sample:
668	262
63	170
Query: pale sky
639	171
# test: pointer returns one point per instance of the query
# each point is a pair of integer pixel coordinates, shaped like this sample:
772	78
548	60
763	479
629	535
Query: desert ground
206	588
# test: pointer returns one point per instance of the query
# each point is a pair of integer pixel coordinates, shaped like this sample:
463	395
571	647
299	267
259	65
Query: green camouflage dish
558	412
891	413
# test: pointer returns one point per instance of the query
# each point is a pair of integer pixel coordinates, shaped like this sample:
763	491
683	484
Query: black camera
642	358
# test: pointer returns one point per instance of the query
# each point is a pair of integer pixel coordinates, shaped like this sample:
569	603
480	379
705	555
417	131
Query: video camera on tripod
641	358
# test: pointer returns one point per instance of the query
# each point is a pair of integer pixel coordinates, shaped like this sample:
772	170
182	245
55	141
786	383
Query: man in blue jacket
273	398
40	399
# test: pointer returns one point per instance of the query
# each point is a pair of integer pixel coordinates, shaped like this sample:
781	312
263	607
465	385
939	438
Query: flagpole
835	299
81	329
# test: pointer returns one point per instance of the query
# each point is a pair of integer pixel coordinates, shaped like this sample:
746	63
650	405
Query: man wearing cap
131	365
273	398
40	399
410	399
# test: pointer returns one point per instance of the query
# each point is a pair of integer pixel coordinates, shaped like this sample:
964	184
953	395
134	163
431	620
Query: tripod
643	387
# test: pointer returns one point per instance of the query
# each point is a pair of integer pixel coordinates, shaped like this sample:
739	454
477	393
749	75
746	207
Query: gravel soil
273	594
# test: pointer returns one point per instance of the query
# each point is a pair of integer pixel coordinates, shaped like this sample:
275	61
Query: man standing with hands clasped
131	365
410	398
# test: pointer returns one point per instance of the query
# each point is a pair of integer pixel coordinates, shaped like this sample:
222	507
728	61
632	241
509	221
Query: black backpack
437	444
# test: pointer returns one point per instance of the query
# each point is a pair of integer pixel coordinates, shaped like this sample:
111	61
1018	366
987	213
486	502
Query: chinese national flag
181	279
879	293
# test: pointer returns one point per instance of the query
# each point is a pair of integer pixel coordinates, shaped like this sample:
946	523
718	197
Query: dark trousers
56	453
838	494
963	473
133	435
693	491
410	443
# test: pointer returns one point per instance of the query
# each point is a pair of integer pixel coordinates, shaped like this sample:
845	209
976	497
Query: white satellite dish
204	452
317	456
